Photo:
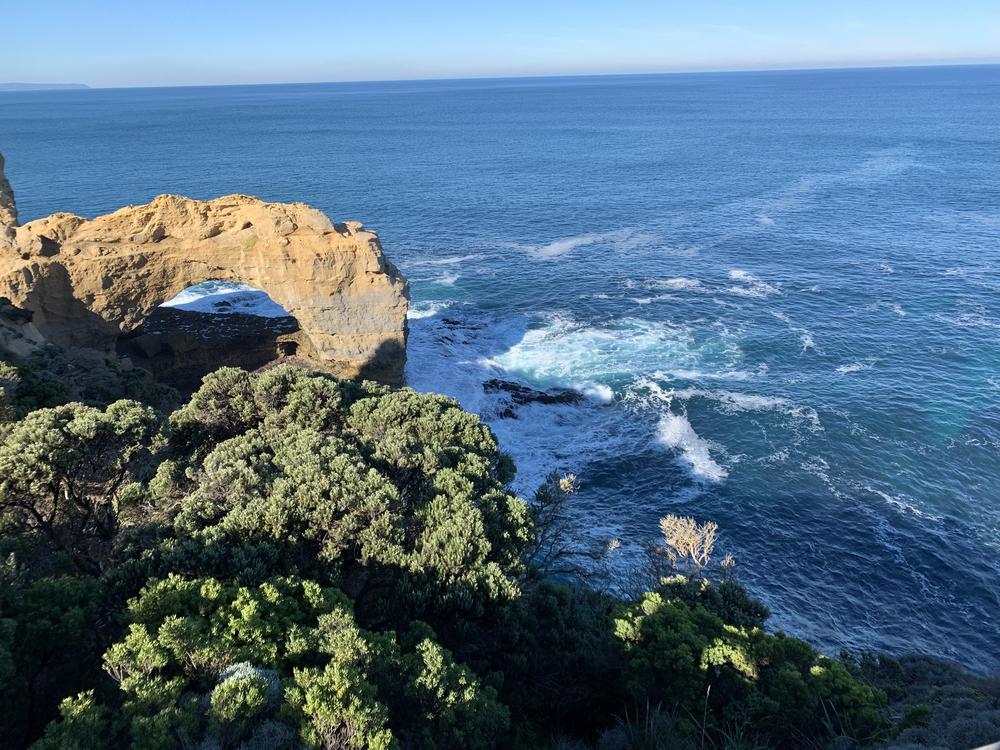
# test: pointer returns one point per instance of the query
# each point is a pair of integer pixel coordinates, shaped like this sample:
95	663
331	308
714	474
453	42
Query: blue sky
135	43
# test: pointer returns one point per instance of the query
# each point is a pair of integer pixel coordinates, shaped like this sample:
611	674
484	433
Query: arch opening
209	325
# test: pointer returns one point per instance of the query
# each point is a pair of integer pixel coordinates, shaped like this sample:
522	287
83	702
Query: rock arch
89	282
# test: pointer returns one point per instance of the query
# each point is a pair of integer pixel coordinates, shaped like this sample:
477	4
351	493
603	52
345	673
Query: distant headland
42	86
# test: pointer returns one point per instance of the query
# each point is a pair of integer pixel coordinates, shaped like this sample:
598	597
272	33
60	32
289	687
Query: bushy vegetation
292	561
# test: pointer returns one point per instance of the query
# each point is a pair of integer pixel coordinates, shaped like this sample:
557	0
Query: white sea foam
857	366
805	192
680	373
750	285
679	283
731	402
447	279
776	458
675	431
595	360
805	335
853	367
450	260
226	298
597	392
566	351
426	309
820	467
975	318
451	358
884	164
904	504
622	240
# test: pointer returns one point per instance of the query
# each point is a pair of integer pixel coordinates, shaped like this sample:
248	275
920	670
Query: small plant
568	484
650	728
727	568
687	542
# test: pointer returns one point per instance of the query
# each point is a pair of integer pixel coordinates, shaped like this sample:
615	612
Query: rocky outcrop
8	208
18	336
90	282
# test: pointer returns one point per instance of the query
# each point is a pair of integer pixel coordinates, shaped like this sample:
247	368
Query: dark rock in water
522	394
455	323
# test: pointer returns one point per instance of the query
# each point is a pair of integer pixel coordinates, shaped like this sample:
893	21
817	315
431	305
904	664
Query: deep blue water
779	291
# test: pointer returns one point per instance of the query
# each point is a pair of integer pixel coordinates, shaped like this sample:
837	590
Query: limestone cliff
89	282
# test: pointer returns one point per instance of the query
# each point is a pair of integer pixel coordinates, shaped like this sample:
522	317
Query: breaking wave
426	309
226	298
675	431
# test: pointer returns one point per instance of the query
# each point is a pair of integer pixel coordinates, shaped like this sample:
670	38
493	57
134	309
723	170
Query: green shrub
203	661
48	648
22	391
687	658
83	726
401	492
67	473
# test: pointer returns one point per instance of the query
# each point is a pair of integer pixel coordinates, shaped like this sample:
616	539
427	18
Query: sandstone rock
8	209
89	282
18	336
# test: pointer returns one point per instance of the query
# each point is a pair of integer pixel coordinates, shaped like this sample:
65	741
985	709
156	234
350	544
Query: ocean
777	295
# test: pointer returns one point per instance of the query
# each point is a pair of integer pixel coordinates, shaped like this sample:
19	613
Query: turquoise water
779	294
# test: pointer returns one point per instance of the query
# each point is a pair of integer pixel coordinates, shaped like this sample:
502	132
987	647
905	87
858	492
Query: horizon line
527	76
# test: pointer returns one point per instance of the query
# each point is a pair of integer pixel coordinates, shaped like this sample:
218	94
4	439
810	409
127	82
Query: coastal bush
402	493
22	391
689	658
68	473
204	664
935	703
292	561
559	664
48	647
55	376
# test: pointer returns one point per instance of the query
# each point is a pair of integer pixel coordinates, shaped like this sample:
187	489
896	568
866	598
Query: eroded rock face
8	209
89	282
